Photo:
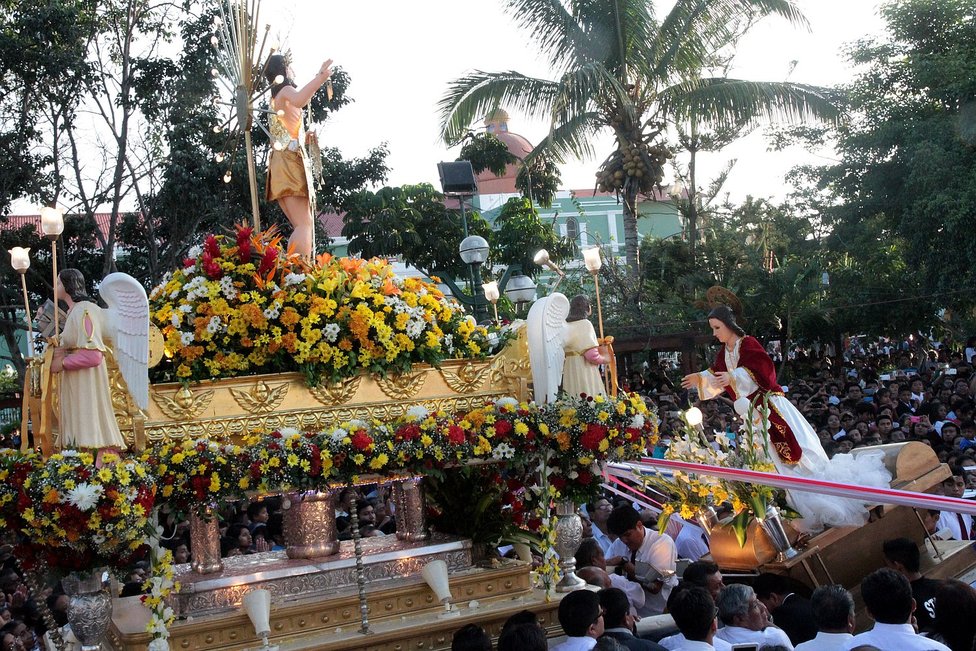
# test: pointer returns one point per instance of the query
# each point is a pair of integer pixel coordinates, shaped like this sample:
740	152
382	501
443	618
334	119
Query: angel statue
546	330
563	348
581	375
86	416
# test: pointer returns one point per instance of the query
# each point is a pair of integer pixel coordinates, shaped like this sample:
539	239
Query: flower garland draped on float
77	515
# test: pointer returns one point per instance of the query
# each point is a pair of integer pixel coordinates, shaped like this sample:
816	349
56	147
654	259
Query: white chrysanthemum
506	403
294	279
213	326
194	251
415	327
356	423
492	339
331	332
449	344
637	421
338	434
503	451
418	412
186	338
289	431
175	319
85	496
227	288
272	311
70	453
185	309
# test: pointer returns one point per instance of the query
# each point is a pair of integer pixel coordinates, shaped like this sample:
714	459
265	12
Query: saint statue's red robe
797	449
754	360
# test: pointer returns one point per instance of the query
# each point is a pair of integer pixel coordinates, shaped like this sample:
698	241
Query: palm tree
617	67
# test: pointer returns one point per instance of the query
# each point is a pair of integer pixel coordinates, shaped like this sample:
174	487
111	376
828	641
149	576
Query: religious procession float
300	379
277	374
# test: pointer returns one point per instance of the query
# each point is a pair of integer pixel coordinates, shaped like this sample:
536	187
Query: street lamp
52	225
474	253
520	290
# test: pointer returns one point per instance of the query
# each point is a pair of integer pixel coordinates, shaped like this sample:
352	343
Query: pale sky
401	56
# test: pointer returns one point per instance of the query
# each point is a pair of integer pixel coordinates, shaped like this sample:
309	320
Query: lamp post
52	225
474	252
520	289
20	261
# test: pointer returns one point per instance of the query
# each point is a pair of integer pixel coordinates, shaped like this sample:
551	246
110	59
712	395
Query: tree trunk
631	236
692	206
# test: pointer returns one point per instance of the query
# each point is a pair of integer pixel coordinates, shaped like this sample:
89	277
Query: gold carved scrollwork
120	398
403	385
261	399
336	393
468	378
184	404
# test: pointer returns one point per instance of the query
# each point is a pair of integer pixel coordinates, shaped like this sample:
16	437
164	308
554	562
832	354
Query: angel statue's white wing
127	326
546	325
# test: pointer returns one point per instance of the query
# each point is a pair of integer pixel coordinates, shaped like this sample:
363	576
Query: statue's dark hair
278	65
74	284
579	308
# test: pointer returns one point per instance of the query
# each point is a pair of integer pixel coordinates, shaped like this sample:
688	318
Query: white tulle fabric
817	511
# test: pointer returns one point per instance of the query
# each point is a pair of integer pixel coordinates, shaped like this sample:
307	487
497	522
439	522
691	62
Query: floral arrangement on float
694	497
240	305
193	476
78	518
581	433
79	515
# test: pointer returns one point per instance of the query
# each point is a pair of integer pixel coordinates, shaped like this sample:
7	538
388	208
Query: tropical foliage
618	68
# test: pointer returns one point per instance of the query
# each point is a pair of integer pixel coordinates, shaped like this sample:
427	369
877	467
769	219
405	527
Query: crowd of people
770	612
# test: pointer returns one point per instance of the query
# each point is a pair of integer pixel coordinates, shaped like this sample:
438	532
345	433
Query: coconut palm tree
617	67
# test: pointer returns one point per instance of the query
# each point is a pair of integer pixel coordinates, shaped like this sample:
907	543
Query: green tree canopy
618	68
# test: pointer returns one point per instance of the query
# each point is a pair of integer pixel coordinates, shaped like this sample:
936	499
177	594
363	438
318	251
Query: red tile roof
14	222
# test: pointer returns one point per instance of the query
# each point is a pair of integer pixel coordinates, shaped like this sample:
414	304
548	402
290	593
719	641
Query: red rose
409	432
502	427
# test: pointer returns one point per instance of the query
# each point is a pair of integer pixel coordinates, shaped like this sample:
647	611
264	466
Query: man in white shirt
589	555
692	542
960	524
888	598
599	511
581	618
833	612
694	613
746	619
637	547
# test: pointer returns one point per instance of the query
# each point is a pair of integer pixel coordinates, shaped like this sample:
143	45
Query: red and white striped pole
867	494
